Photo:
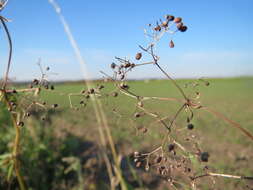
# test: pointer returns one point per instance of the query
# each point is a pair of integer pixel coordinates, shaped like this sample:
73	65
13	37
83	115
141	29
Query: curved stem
233	123
10	52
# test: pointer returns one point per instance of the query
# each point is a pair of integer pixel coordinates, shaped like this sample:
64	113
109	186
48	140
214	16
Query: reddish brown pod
172	45
138	56
183	28
170	17
178	20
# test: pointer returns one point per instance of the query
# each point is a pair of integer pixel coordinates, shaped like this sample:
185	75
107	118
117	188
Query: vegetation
176	136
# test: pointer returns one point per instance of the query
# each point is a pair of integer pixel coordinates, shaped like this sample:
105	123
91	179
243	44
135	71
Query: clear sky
218	42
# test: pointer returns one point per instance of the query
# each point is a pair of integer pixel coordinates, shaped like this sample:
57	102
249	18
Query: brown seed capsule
171	147
137	114
127	65
170	17
54	105
113	65
171	44
138	56
122	77
101	87
81	102
20	123
44	103
124	86
158	28
179	25
207	83
91	91
35	81
183	29
159	159
165	24
204	156
178	19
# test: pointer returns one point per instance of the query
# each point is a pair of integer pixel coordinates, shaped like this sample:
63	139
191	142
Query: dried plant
180	161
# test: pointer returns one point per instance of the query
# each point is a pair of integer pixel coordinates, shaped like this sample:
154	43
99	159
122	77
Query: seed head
171	147
171	44
113	65
158	28
170	17
101	87
20	123
179	25
54	105
183	29
35	81
138	56
124	86
178	19
137	114
204	156
165	24
190	126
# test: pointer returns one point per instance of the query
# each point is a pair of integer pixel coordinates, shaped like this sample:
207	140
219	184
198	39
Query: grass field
72	133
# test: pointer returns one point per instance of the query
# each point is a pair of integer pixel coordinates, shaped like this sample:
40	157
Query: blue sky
218	42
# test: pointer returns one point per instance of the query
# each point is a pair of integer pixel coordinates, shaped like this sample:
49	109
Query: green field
73	133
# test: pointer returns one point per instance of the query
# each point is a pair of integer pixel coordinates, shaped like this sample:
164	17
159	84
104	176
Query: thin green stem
10	51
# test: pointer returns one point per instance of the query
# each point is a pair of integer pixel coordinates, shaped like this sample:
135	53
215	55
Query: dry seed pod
54	105
183	29
124	86
138	56
158	28
122	77
35	81
204	156
165	24
171	147
137	114
190	126
171	44
178	19
113	65
20	123
179	25
170	17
